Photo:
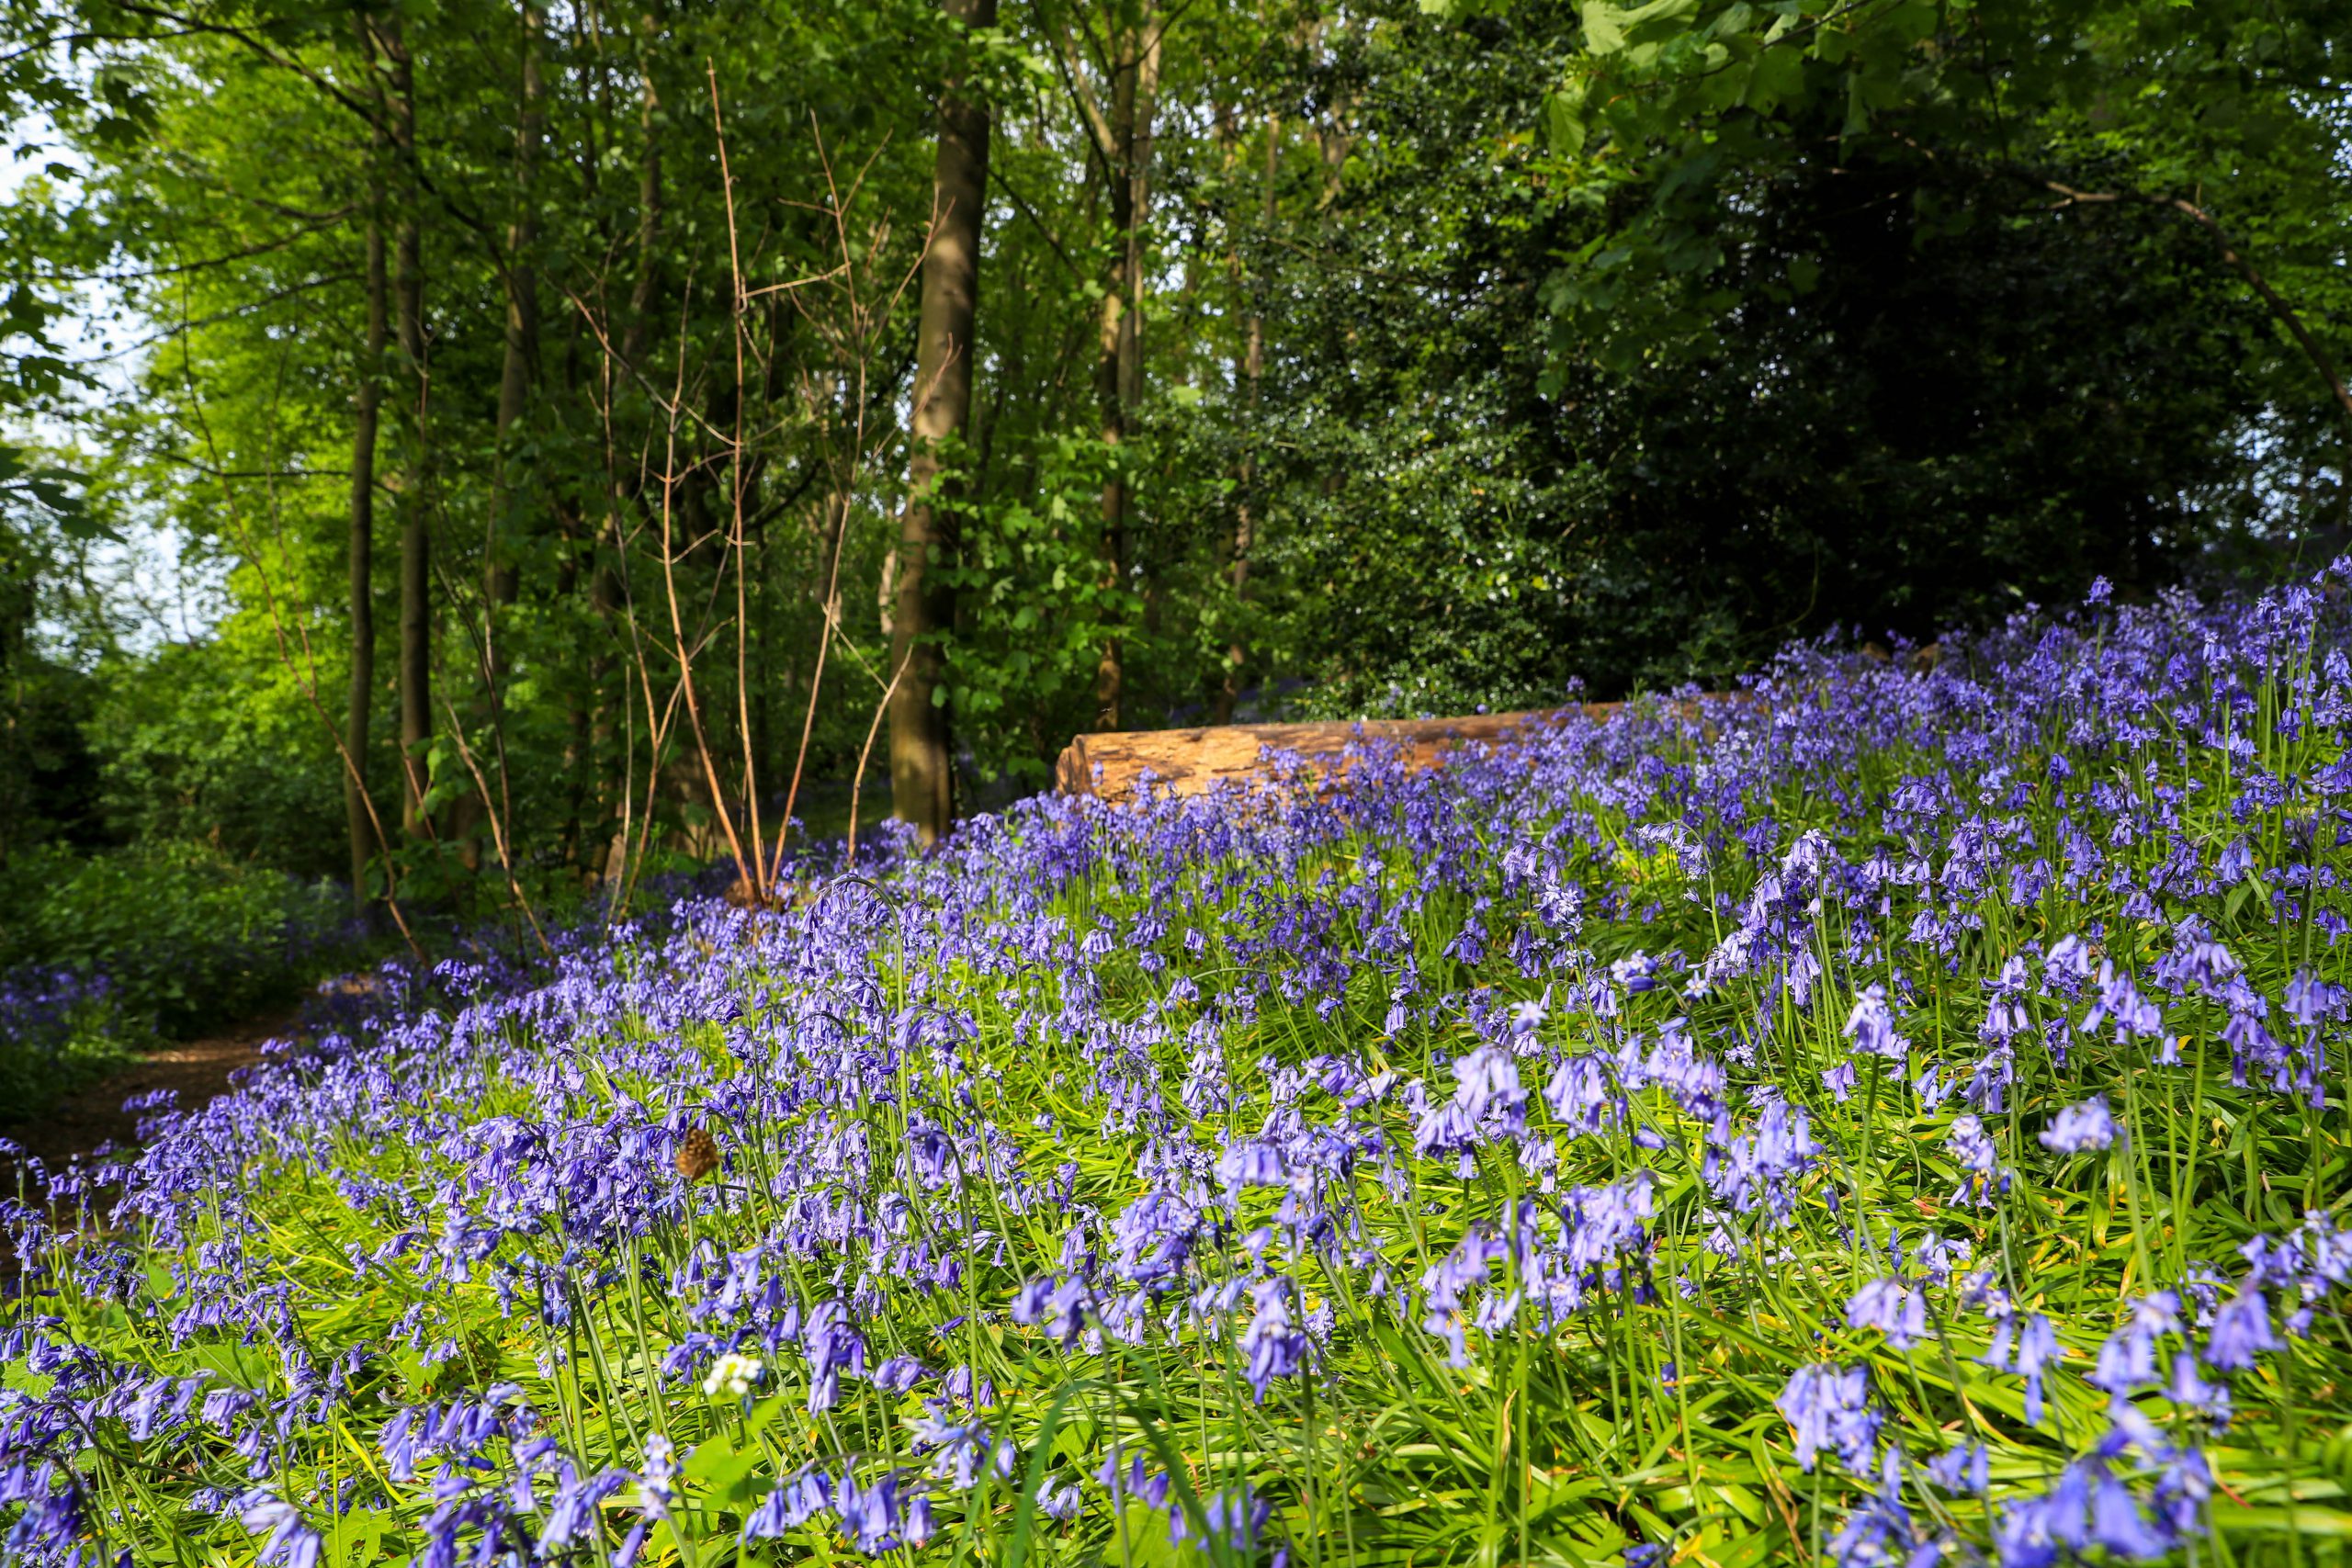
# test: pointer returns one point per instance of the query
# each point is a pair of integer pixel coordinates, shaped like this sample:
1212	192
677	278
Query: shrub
185	936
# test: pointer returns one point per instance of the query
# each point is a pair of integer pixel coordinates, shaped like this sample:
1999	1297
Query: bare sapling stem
760	880
678	626
857	780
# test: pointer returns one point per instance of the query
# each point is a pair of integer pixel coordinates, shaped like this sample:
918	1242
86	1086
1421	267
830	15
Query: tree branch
2230	255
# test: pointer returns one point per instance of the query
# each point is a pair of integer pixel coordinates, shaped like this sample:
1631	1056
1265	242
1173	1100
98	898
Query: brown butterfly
697	1156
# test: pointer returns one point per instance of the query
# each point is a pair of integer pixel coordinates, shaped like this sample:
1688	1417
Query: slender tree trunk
922	769
636	332
1252	368
1119	370
519	372
576	555
367	401
413	496
607	590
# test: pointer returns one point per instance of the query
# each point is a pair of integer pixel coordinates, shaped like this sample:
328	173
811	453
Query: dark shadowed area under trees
487	455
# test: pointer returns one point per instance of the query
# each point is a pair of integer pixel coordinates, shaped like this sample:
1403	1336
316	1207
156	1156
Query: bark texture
1124	135
1190	761
923	769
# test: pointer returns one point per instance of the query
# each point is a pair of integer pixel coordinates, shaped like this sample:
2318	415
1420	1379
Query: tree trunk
607	592
636	332
1119	371
922	770
368	400
1252	374
519	371
415	502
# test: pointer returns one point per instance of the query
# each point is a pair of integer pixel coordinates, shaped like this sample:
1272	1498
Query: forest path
198	1069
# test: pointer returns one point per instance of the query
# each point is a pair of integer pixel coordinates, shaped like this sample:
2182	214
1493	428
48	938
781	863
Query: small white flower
733	1375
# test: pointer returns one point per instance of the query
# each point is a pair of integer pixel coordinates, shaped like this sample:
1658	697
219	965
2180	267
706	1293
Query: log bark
1190	761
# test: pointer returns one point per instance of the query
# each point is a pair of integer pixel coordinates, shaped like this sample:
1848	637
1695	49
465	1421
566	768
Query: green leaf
1609	29
2295	1519
726	1469
1563	125
355	1538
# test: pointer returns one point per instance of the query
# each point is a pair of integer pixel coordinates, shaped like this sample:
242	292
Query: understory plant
1893	1114
183	937
59	1028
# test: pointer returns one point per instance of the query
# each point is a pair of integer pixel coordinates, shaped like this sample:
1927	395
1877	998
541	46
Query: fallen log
1189	762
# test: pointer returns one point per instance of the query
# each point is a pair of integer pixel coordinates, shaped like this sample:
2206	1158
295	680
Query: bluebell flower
1132	1479
2078	1128
1059	1498
2127	1361
2028	1347
1962	1469
1870	1026
1830	1406
2118	1524
2241	1331
1984	1175
899	1374
291	1544
657	1483
1893	1307
572	1516
2189	1389
872	1515
1233	1521
1272	1342
805	1496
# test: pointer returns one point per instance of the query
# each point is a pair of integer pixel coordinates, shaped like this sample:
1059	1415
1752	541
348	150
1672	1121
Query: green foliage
186	937
1895	388
1490	349
1035	608
1673	115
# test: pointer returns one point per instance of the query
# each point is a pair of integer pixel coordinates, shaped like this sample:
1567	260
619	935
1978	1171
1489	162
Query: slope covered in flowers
1898	1116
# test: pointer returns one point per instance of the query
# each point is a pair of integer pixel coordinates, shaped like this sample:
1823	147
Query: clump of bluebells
1885	1114
58	1027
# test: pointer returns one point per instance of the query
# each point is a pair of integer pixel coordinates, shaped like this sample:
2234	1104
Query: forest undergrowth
1889	1115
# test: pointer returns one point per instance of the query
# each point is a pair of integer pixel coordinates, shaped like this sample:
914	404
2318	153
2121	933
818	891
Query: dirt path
198	1069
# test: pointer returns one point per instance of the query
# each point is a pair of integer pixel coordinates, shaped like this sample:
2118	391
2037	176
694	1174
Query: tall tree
1249	371
921	752
519	366
413	496
367	404
1119	119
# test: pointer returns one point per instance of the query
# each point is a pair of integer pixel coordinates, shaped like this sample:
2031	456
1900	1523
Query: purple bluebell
2079	1128
1893	1307
1830	1407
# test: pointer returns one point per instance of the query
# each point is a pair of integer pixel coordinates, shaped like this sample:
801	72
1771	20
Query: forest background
467	458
